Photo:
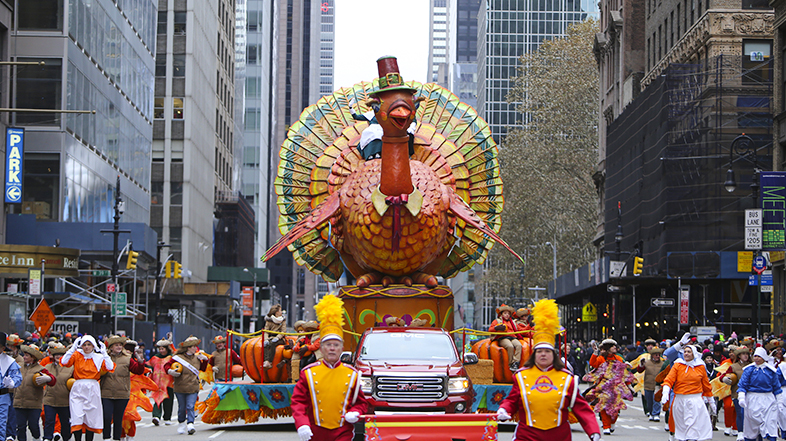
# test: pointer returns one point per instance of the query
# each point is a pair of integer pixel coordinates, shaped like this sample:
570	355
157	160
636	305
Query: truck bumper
452	404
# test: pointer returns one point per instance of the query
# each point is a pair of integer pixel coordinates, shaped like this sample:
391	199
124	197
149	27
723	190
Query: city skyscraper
193	127
439	42
303	45
98	56
507	30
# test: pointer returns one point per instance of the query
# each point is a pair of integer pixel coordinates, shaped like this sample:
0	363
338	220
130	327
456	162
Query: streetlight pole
554	247
743	145
116	231
157	303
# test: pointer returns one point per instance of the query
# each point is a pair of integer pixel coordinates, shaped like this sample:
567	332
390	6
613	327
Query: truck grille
426	388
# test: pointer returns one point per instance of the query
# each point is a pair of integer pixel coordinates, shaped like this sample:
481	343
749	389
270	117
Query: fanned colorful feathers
319	155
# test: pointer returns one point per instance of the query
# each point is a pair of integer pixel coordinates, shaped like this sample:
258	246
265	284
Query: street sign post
42	318
34	281
684	305
662	302
589	313
615	288
617	269
766	281
101	273
111	287
119	304
753	229
759	264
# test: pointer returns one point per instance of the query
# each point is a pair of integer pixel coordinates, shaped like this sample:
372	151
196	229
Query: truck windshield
408	346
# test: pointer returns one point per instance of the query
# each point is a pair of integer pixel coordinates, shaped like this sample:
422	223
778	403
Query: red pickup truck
412	370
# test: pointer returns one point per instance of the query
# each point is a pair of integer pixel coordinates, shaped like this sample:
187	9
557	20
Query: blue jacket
12	370
759	379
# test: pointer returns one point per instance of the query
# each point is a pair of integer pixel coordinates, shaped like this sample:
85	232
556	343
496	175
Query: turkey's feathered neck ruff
395	175
545	314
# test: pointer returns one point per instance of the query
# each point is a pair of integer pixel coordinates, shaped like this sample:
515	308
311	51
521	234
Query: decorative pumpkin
252	356
237	370
70	383
177	367
35	376
491	350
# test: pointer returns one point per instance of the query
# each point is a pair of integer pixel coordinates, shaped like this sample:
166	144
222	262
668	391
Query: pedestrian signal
132	258
638	263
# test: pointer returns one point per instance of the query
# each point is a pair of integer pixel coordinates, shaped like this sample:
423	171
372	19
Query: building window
178	65
176	238
41	185
757	61
177	108
180	23
156	193
162	17
39	87
158	108
251	54
161	65
176	193
40	15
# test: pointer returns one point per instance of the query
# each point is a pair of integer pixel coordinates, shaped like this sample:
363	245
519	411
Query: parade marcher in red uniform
341	401
164	397
505	323
544	392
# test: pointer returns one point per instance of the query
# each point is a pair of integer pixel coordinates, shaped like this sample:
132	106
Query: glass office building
98	55
508	29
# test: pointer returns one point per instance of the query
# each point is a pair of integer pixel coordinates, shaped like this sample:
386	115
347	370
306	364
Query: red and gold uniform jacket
543	400
323	395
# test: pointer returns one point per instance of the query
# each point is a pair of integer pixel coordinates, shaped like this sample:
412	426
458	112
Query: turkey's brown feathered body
368	236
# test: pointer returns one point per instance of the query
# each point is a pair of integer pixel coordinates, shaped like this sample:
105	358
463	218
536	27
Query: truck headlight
365	384
458	385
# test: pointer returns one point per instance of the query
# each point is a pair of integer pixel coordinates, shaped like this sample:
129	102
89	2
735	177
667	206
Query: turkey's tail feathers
465	213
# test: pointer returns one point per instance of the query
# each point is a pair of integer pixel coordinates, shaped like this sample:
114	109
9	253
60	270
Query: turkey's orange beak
399	114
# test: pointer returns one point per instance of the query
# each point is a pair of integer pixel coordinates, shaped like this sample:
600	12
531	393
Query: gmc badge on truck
406	387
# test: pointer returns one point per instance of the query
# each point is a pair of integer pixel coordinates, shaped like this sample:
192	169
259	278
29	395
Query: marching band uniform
544	398
756	393
84	401
10	378
326	394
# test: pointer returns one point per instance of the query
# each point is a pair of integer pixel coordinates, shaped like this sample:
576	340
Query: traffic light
638	263
176	270
168	269
132	258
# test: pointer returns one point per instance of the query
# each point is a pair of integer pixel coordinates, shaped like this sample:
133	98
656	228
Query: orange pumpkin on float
237	370
487	349
252	357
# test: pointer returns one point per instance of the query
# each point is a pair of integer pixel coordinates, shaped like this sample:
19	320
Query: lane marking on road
216	435
635	407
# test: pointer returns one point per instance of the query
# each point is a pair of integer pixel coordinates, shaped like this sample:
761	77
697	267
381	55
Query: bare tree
547	164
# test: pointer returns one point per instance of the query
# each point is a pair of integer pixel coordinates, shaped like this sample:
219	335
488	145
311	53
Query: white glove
201	356
665	398
412	128
741	399
352	417
43	379
352	102
215	371
173	373
713	407
502	414
595	437
77	343
8	382
305	433
727	380
101	349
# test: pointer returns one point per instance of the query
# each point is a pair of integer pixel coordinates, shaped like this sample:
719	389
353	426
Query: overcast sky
369	29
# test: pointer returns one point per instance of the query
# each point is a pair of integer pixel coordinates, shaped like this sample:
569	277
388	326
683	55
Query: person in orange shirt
505	323
607	351
90	361
692	392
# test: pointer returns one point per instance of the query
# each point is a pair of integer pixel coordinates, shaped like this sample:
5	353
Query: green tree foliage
547	165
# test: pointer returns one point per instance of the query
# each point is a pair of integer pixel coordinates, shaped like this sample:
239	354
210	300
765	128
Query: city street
631	424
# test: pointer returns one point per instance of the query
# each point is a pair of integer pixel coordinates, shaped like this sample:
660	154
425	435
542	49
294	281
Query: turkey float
429	205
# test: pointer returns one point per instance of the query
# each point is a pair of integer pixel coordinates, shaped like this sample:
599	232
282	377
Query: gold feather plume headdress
330	313
545	314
